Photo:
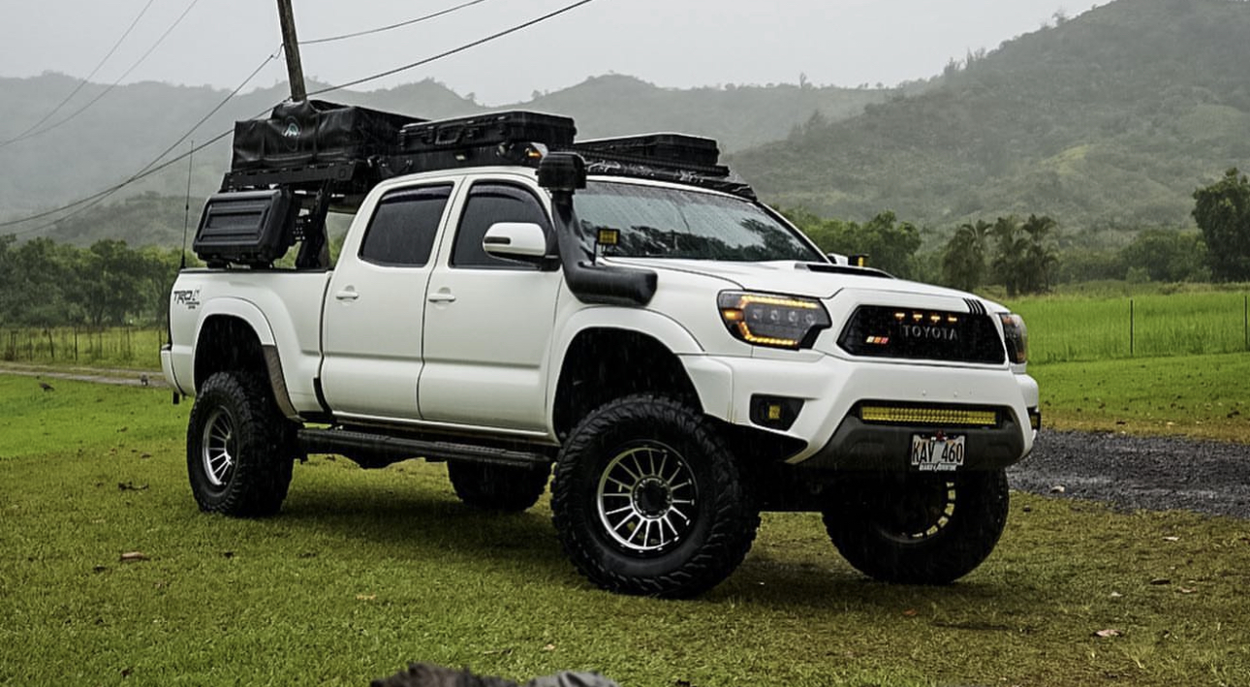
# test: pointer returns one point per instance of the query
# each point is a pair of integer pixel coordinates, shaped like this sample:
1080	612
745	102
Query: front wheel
239	447
647	499
918	528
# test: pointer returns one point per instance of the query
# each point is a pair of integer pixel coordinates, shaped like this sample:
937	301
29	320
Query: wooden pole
290	45
1131	328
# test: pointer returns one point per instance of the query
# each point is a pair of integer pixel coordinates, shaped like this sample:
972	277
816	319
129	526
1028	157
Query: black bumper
858	445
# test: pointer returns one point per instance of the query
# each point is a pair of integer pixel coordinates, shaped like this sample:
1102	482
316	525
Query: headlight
763	319
1016	336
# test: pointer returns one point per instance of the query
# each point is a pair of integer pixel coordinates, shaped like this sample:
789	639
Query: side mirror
838	258
522	241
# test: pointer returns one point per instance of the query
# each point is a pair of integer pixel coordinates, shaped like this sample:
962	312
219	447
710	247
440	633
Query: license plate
930	453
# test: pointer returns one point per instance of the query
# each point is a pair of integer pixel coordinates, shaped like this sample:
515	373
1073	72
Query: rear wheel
498	487
647	499
240	449
918	528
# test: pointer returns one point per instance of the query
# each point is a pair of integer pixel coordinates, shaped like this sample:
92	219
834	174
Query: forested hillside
1106	121
131	125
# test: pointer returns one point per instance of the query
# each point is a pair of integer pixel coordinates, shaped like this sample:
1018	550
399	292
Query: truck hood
793	278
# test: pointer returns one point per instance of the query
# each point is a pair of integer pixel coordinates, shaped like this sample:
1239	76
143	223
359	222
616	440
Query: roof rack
343	151
306	159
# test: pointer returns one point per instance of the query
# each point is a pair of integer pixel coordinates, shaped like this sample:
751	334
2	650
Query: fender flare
238	309
712	381
251	315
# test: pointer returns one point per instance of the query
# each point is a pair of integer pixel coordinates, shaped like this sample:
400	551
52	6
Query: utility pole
290	44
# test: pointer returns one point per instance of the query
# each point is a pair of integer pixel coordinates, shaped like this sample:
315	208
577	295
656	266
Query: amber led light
772	320
928	416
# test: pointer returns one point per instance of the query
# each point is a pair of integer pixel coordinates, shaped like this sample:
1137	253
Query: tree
889	244
963	259
1223	214
111	284
1025	258
1167	255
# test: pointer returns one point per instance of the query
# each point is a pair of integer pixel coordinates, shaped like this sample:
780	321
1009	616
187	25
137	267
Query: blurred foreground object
427	675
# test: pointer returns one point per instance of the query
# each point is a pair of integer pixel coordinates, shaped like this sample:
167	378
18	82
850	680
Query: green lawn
1204	396
131	348
1104	326
364	571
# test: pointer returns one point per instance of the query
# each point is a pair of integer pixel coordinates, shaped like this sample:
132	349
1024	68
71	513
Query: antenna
186	210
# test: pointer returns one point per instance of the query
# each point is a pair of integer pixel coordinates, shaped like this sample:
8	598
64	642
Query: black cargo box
246	227
314	132
488	130
669	150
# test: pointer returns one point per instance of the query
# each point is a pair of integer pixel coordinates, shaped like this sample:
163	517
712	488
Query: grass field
364	571
133	348
1203	396
1101	321
1105	326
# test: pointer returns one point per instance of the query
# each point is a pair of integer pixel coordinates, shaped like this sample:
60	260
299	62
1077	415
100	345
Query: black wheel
498	487
240	449
647	499
918	528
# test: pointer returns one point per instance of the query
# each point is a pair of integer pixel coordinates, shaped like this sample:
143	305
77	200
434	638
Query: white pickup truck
683	356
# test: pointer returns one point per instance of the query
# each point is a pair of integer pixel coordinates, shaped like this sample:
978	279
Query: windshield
660	222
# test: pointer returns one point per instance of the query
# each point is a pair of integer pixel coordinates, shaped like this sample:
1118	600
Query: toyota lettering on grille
929	332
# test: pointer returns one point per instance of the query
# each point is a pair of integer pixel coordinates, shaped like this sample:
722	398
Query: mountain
131	125
1105	121
737	116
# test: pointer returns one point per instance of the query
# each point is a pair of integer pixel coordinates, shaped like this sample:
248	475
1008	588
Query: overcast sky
679	43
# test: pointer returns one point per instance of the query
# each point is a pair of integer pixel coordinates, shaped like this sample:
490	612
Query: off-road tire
500	488
918	528
722	518
259	442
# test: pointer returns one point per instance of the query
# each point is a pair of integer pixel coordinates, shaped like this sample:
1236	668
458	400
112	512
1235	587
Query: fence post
1132	327
1245	318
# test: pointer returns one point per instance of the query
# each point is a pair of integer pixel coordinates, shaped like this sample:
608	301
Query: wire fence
1141	326
1060	330
137	347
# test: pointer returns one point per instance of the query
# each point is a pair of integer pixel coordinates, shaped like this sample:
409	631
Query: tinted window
402	230
488	204
664	222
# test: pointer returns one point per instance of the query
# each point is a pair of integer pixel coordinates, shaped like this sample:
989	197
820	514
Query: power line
111	86
380	29
86	80
84	204
148	170
453	51
96	198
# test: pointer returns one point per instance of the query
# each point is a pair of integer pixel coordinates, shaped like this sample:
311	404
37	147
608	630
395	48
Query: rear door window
404	224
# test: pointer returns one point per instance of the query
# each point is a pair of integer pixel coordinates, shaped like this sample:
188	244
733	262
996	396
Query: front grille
883	332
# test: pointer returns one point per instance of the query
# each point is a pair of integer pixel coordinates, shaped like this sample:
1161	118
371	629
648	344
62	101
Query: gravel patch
1131	472
87	374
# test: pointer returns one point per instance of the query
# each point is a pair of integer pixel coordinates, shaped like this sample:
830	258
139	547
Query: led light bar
928	416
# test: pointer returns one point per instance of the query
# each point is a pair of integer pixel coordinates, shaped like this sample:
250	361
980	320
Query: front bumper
858	445
832	387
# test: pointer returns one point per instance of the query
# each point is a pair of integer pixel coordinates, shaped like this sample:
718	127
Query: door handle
347	295
442	297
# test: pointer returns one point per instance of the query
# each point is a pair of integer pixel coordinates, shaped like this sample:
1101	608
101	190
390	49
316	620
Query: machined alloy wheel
647	498
218	448
240	449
